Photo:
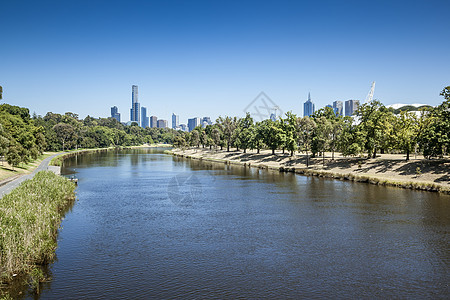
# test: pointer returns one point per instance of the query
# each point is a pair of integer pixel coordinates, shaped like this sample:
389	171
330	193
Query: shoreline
390	170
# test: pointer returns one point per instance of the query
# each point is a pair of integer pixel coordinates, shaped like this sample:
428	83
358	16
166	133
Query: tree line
24	137
373	128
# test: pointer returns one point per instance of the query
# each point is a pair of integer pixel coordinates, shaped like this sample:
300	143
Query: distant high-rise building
115	113
308	107
144	118
175	120
207	120
192	123
183	127
338	108
135	111
153	122
162	123
351	106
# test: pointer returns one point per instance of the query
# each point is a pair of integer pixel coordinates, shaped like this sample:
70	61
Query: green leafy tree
65	133
215	135
244	132
305	132
273	136
195	138
289	127
13	156
4	142
405	132
434	132
372	117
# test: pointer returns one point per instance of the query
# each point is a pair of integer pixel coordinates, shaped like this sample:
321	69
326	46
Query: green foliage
29	220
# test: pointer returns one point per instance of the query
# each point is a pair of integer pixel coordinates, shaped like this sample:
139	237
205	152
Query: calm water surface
149	225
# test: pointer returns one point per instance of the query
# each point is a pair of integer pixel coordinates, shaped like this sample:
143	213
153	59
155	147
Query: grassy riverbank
29	220
391	170
8	172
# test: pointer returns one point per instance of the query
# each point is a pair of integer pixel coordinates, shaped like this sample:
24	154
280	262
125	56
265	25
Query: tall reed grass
29	220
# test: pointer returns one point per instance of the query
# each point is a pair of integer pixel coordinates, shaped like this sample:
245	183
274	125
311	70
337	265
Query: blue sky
211	58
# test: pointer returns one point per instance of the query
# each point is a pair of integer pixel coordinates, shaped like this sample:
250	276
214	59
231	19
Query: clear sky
211	58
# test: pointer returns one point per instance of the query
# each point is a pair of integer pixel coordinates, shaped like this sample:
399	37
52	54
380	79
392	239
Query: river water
149	225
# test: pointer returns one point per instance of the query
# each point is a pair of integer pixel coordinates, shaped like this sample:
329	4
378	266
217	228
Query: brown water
149	225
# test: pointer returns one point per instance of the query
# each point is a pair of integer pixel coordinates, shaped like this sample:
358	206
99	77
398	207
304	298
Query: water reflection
251	233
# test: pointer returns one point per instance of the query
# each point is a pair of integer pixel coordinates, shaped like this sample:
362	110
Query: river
149	225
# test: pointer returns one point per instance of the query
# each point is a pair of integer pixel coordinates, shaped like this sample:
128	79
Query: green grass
29	220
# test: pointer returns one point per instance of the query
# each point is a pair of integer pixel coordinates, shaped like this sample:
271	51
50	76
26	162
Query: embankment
29	220
388	170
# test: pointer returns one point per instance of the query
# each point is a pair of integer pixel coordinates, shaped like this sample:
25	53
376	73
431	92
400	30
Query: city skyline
206	58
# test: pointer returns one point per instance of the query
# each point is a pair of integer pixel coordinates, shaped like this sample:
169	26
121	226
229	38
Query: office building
308	107
338	108
115	113
175	121
183	127
351	106
162	123
135	111
153	122
192	123
144	118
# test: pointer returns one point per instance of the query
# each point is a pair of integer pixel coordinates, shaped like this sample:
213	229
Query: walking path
8	187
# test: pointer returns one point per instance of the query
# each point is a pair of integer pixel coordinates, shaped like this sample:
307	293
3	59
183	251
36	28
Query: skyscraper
192	123
153	122
338	108
308	107
115	113
144	118
175	121
162	123
351	106
135	111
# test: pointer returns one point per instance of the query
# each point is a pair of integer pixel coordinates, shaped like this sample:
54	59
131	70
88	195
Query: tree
215	135
305	131
65	133
273	135
4	142
13	156
257	140
288	126
228	126
405	132
244	132
195	138
1	92
434	128
372	117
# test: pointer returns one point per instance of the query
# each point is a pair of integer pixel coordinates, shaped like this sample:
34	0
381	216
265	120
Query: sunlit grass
29	219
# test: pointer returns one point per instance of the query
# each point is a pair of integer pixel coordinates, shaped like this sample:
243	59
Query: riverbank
390	170
8	173
29	222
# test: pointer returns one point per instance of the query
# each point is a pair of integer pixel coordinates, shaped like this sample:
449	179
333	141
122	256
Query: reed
29	220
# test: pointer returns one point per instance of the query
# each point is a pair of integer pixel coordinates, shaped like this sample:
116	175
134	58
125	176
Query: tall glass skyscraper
135	111
144	118
175	121
308	107
338	108
351	106
115	113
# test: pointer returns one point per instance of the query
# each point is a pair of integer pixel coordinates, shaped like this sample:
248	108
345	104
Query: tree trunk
228	148
283	150
323	158
257	150
407	154
292	152
375	153
273	151
245	150
332	155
